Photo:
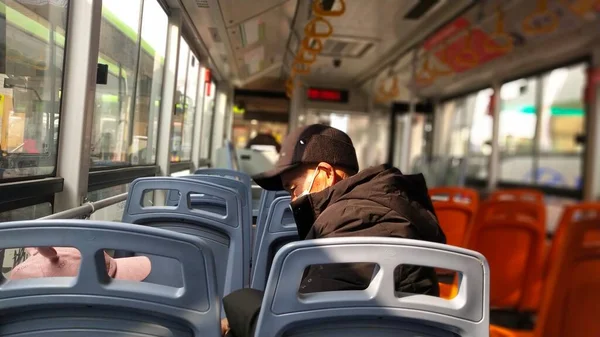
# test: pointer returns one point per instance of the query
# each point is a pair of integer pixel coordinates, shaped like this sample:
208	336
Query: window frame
42	178
100	177
538	74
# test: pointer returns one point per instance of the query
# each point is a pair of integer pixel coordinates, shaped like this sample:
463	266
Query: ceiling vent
202	3
346	48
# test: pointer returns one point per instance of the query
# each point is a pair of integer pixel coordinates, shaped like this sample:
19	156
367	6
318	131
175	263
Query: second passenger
318	166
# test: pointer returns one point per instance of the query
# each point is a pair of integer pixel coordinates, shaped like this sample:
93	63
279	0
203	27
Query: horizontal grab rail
87	208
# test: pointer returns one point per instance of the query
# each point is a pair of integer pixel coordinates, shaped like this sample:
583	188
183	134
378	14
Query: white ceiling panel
259	42
237	11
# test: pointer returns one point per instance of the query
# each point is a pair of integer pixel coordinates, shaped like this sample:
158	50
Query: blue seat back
93	304
278	230
241	176
266	200
206	202
377	310
222	232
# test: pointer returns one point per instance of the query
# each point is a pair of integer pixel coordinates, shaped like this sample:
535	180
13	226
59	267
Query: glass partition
149	84
180	108
541	131
478	110
119	49
208	119
191	96
517	130
31	71
562	126
133	37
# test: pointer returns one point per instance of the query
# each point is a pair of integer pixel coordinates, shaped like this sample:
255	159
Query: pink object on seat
65	261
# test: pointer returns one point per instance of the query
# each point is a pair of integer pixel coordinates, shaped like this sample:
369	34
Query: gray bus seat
212	204
256	192
241	176
92	304
377	310
223	233
278	230
266	199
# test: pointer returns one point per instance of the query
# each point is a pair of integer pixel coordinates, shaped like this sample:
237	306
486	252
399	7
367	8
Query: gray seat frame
229	224
366	312
273	230
246	205
196	304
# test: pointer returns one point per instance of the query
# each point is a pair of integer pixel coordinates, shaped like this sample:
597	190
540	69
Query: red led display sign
327	95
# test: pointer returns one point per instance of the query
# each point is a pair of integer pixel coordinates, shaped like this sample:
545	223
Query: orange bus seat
569	302
522	194
511	235
449	290
531	301
455	208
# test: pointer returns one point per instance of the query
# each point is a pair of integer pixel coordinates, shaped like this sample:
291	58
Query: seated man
65	261
330	198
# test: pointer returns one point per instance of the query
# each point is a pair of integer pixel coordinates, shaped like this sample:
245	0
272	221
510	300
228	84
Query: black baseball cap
310	144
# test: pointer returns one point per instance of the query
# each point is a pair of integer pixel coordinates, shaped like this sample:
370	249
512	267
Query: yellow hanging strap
300	68
310	30
392	92
307	45
289	86
468	58
318	9
439	73
503	41
581	7
549	25
425	75
305	56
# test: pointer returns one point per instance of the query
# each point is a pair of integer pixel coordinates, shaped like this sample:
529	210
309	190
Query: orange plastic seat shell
511	235
569	303
456	212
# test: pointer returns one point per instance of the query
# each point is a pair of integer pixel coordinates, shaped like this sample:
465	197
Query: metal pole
163	147
197	135
87	208
78	103
591	170
494	161
539	106
131	113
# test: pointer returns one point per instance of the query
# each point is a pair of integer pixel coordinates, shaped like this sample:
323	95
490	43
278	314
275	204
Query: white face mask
312	182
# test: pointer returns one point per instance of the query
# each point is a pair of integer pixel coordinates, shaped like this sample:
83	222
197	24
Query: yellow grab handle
289	87
499	35
316	49
581	7
393	92
300	68
289	83
542	11
426	75
381	100
310	30
301	57
318	9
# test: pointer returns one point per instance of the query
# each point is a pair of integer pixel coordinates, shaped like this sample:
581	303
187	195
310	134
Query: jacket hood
386	185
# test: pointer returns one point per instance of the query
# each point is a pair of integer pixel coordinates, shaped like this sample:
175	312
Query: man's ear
329	175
